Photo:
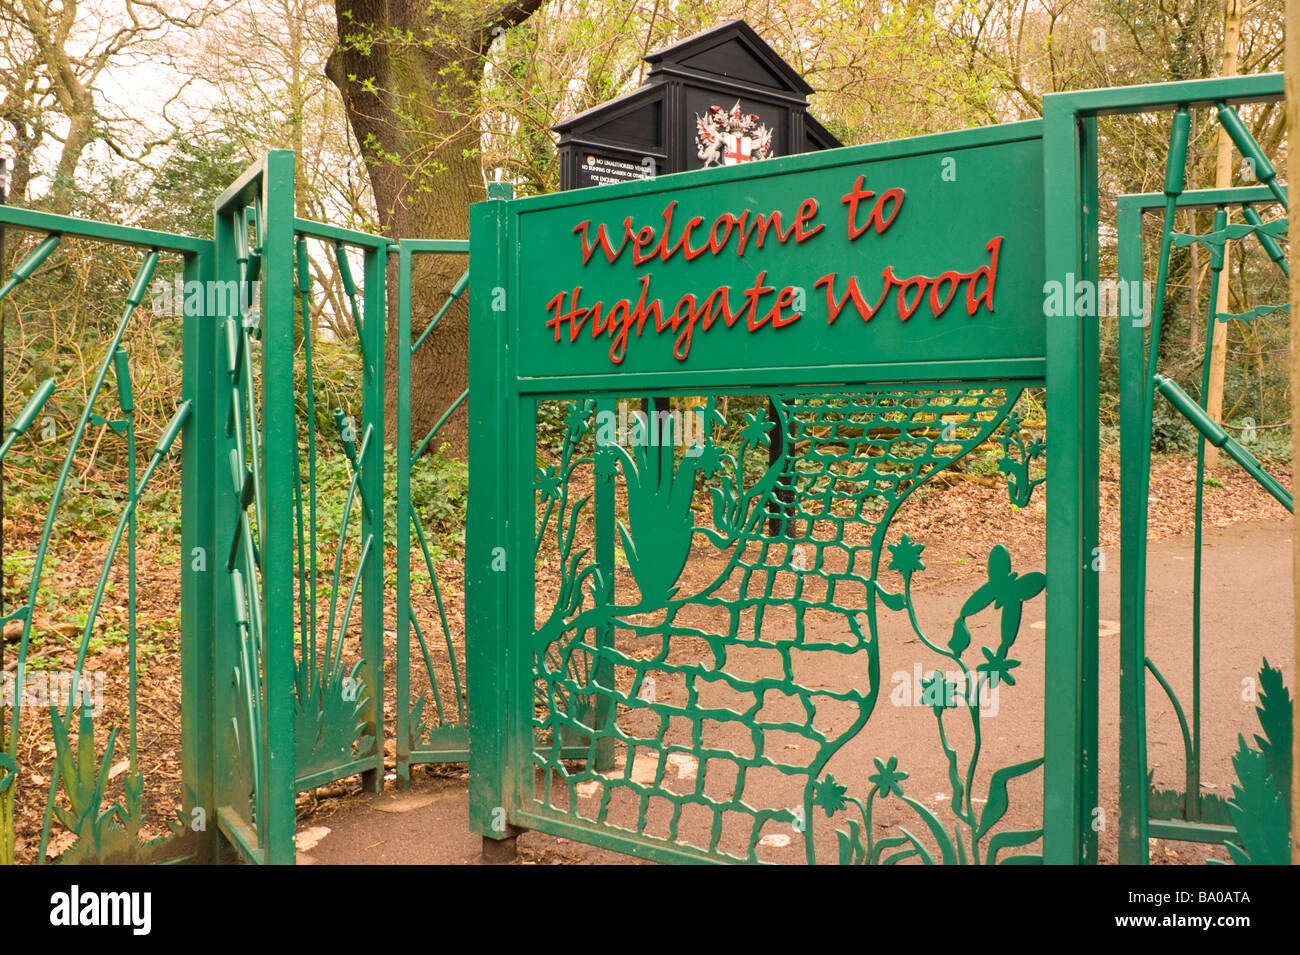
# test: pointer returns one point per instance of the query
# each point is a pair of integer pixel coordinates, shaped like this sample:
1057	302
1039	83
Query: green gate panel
868	316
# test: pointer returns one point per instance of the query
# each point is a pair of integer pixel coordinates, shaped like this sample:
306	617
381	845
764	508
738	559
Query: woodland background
141	111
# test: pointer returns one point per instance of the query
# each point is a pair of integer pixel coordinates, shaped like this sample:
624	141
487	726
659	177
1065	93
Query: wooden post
4	192
1292	65
1232	14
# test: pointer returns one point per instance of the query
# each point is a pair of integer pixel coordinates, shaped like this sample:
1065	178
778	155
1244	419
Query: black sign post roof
719	97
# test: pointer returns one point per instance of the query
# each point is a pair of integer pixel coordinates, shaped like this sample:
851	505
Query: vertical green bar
1090	439
1133	810
487	554
604	670
1065	788
403	516
225	517
199	368
279	432
372	515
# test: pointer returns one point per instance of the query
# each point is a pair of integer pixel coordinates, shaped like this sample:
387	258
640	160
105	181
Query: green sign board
927	249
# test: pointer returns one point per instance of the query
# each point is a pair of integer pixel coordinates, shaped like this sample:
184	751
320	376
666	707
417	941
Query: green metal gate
89	814
298	663
281	575
1252	820
651	670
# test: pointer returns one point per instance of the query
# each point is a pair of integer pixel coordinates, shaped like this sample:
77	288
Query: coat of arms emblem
725	138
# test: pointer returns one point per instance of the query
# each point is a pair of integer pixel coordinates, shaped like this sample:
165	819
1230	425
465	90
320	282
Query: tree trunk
413	108
1232	14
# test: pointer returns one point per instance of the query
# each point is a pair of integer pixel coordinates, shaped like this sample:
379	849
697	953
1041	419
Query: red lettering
665	253
644	237
784	299
574	316
990	273
716	245
762	223
952	277
807	209
904	310
637	316
719	303
602	240
877	217
851	199
692	254
851	292
752	295
682	344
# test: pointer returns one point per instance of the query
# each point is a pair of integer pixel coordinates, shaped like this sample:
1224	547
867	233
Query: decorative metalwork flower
938	692
755	431
605	463
829	795
710	460
907	556
577	421
888	777
548	483
998	666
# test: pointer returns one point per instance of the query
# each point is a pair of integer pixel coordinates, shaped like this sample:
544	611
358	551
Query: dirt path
1247	616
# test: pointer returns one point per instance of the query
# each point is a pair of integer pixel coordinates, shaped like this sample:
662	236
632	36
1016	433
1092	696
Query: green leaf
1274	712
936	829
846	847
954	776
1028	859
996	807
1258	811
906	854
888	843
850	843
1012	839
10	771
918	848
894	602
960	637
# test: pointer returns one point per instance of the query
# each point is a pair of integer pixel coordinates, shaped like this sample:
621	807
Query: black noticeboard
603	166
719	98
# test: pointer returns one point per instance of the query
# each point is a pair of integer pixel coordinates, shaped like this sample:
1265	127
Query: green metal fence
431	721
1071	120
89	814
1190	814
281	573
299	688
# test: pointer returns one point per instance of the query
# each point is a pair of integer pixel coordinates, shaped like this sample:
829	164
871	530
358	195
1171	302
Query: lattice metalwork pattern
733	627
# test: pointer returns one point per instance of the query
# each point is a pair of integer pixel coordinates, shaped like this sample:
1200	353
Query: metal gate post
1133	811
279	431
1070	718
371	465
200	360
267	187
490	658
